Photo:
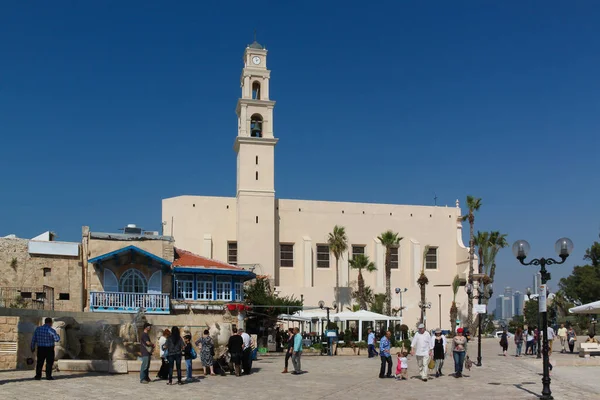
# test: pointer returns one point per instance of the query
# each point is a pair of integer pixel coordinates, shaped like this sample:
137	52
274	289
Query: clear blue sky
108	107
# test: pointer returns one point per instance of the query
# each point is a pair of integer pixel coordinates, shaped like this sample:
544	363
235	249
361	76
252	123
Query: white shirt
551	334
247	340
403	362
161	342
444	342
371	338
422	343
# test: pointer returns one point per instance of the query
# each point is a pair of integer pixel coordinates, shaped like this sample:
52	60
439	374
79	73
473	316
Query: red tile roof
184	258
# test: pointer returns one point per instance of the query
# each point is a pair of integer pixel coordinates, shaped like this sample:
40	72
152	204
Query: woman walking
519	341
529	336
504	342
289	349
174	346
439	351
571	337
459	350
163	373
207	352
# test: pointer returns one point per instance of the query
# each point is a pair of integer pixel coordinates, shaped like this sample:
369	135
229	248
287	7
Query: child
402	366
189	353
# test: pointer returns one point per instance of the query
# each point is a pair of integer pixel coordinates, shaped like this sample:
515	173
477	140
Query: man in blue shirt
297	352
386	357
44	337
371	344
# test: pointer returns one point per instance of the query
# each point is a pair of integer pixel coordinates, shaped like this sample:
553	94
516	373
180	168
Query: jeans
145	368
384	360
188	369
288	355
296	362
519	347
372	351
175	360
44	354
459	361
423	363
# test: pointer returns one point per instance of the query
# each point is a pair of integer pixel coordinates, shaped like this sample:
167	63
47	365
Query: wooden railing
129	302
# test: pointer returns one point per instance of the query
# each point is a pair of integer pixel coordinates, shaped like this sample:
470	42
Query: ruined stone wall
8	335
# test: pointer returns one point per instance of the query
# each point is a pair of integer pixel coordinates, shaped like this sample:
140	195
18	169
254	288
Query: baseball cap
421	326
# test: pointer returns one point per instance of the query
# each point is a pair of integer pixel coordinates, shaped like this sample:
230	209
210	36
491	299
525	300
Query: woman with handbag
174	347
163	373
207	352
439	352
504	342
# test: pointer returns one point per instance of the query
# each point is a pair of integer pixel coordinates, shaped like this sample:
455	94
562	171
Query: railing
129	302
38	298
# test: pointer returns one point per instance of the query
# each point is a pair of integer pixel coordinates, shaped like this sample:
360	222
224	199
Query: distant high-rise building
518	303
499	313
508	301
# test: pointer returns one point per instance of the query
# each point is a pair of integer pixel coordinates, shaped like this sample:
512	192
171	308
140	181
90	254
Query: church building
287	239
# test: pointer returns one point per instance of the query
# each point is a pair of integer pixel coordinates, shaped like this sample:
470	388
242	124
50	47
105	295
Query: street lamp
323	306
483	292
563	247
400	291
423	305
537	299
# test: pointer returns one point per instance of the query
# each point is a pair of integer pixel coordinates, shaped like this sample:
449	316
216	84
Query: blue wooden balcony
121	302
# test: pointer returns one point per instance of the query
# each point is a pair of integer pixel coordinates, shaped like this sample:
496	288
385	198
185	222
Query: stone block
118	367
135	365
2	320
84	365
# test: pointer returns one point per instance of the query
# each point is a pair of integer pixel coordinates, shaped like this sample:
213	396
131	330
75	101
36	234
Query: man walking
371	344
297	352
247	354
386	357
146	348
422	346
562	335
44	338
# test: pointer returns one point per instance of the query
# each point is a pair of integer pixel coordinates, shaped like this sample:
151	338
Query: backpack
193	353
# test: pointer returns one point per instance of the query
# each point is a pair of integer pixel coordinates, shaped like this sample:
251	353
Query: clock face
256	60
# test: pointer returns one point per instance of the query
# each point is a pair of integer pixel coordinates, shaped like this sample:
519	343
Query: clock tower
255	148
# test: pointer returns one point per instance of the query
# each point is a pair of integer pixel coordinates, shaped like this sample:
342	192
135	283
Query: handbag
194	354
431	363
149	349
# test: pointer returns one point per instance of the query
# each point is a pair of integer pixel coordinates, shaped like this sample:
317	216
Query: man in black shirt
147	347
236	348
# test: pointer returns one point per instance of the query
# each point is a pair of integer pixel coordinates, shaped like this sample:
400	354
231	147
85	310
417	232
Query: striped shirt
44	336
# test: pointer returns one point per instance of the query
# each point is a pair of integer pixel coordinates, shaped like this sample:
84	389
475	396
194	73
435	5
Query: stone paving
341	377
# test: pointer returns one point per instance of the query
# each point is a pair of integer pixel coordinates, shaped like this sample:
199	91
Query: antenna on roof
435	198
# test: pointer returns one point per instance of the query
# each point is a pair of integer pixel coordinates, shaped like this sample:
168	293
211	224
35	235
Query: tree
260	293
453	308
338	244
367	294
422	281
531	313
473	204
593	254
389	240
497	242
378	303
361	262
583	285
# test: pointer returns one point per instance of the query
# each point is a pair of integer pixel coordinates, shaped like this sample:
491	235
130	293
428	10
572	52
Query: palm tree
388	239
473	204
497	242
422	281
338	244
360	262
453	308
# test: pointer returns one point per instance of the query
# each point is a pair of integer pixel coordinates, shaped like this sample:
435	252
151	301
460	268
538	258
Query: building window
184	287
322	256
133	281
223	289
40	295
64	296
239	291
47	272
286	255
26	295
431	258
232	253
205	288
394	257
358	250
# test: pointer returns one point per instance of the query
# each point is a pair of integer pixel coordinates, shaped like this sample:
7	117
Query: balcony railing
121	302
38	298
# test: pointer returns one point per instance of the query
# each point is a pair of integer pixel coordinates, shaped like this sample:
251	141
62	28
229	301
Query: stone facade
20	269
8	334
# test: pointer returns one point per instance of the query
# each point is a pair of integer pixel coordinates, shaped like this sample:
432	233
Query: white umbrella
590	308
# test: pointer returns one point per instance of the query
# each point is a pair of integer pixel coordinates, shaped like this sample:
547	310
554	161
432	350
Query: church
286	240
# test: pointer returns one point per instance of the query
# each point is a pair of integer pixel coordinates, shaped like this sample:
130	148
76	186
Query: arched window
256	122
256	90
132	281
110	281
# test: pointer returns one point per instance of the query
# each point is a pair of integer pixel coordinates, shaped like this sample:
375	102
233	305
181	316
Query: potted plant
231	307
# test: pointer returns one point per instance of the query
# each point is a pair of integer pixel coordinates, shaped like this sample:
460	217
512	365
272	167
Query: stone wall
8	334
20	269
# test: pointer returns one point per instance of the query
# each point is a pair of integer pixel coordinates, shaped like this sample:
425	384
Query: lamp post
400	291
537	300
323	306
423	305
482	293
563	247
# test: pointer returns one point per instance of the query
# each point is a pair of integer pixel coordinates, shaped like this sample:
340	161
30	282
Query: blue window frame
205	287
132	281
184	287
223	289
239	291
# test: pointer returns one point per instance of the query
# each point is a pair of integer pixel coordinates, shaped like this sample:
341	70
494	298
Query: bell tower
255	148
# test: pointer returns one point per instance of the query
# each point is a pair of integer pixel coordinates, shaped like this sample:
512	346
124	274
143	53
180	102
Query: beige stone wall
64	275
8	333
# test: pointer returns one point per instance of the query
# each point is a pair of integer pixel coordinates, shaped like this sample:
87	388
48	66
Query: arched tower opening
256	90
256	125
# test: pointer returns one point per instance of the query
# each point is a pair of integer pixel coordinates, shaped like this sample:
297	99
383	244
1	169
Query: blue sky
108	107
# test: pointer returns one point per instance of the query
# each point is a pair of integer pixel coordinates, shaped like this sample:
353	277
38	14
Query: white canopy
292	317
363	315
590	308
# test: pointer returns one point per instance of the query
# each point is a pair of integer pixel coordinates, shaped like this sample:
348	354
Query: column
307	261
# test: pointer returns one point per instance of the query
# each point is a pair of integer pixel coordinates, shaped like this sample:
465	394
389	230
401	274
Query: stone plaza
341	377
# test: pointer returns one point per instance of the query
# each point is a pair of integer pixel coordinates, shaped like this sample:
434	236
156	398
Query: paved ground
326	378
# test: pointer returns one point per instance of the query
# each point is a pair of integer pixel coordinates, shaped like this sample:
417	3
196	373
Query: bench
589	349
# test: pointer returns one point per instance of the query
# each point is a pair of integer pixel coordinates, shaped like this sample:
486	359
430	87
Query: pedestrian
289	344
504	342
551	336
422	347
572	338
44	337
385	355
174	346
297	352
402	366
459	350
235	346
518	341
247	354
371	343
439	351
163	373
146	349
189	354
207	353
562	335
529	345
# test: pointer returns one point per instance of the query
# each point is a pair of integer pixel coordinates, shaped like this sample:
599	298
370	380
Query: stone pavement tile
326	378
